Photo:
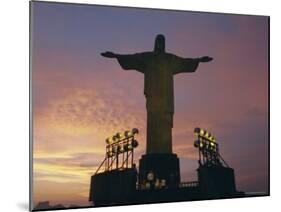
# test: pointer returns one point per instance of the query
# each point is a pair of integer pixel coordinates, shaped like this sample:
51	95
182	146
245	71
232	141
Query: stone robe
158	70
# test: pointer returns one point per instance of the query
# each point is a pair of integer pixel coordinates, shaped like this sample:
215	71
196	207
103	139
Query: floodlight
127	147
114	138
134	143
196	143
206	135
202	132
121	149
135	131
197	130
118	135
127	133
108	140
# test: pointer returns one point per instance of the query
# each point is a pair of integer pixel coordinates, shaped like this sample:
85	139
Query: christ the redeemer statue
158	68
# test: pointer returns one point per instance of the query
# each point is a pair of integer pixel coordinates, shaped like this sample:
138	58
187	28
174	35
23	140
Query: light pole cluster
120	151
208	148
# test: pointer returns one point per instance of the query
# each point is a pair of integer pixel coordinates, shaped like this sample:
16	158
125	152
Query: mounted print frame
137	106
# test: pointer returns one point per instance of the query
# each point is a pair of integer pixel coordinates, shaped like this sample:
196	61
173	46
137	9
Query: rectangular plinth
164	168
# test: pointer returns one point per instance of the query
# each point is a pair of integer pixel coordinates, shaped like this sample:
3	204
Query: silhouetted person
158	68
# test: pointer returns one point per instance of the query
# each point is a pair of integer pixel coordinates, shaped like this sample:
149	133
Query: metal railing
190	184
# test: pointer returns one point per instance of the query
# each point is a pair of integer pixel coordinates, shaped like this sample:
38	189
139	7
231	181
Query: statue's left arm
182	65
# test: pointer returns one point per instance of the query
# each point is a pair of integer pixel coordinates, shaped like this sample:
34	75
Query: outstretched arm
204	59
109	54
128	62
182	65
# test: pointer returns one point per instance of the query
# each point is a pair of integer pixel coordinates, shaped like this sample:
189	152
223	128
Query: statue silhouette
158	68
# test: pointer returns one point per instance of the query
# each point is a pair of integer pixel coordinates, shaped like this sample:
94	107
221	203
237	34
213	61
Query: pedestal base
165	168
113	187
216	182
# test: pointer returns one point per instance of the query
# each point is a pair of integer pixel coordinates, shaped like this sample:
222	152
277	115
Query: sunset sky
81	98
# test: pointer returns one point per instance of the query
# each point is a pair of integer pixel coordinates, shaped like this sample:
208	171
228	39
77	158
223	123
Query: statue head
159	45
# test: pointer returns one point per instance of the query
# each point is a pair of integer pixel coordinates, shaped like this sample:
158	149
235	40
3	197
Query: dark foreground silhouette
45	205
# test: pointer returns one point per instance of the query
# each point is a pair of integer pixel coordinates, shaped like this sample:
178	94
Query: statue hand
108	54
205	59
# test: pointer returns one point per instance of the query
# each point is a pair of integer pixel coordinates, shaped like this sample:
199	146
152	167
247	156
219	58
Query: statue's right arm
204	59
117	56
128	61
109	55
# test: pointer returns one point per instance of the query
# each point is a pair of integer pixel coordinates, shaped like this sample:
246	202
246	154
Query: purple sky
80	98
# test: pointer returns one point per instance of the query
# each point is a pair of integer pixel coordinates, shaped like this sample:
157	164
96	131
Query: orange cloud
69	136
